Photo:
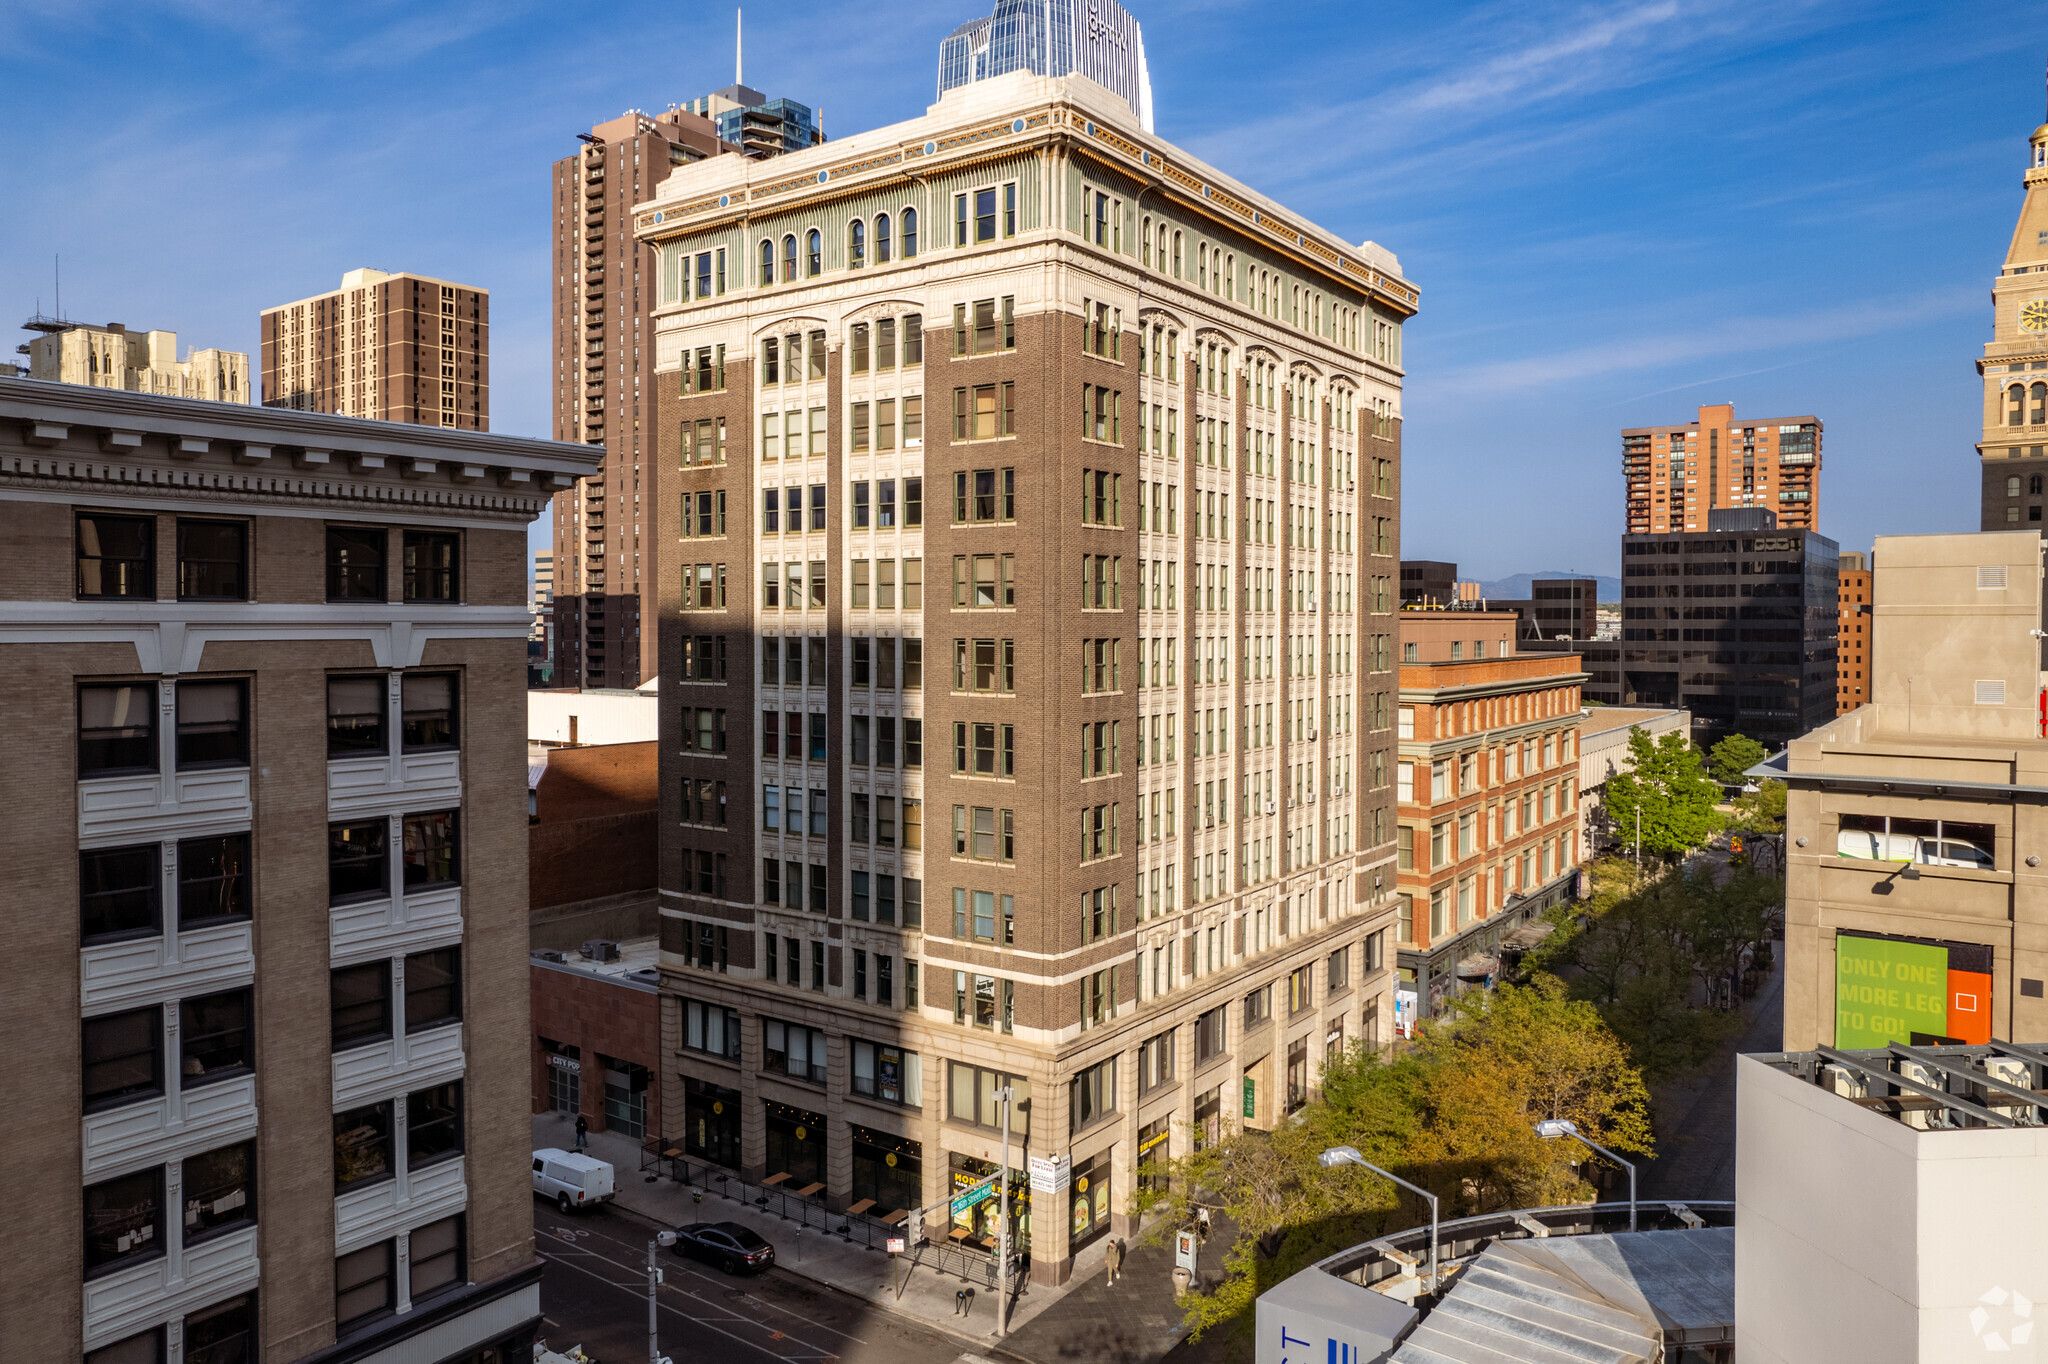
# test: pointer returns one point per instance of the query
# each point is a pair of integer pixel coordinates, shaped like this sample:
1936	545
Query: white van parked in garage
572	1179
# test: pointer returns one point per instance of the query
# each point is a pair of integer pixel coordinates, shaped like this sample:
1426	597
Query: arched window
2034	485
814	252
909	233
789	257
1230	277
1148	242
1176	256
2012	486
882	239
2016	400
2038	413
856	245
767	262
1202	265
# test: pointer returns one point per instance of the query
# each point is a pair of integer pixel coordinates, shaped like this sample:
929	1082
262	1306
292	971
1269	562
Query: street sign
980	1193
895	1245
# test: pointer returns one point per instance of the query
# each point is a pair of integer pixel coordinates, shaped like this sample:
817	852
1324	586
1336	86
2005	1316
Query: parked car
1933	852
572	1179
728	1245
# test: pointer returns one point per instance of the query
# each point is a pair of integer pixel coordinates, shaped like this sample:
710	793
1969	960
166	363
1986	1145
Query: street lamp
1553	1128
661	1240
1348	1155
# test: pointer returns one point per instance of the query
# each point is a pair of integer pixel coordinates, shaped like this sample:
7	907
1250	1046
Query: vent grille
1991	691
1990	576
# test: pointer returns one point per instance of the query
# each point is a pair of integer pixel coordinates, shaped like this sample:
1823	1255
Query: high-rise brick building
1675	475
265	711
399	348
1029	653
1852	644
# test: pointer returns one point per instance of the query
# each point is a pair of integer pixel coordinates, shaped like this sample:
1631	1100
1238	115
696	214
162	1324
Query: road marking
671	1310
640	1272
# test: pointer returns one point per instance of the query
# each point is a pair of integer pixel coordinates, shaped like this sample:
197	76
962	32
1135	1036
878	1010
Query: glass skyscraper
1095	38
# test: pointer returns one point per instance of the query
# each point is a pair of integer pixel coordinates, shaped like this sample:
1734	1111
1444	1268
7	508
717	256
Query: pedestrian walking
582	1133
1115	1259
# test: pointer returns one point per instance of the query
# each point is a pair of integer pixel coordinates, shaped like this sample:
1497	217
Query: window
984	495
909	235
359	1004
882	242
1339	969
355	563
211	724
215	1039
430	852
355	716
814	252
435	1257
116	556
971	1098
1209	1034
1101	498
116	729
1258	1007
857	244
124	1220
431	565
213	561
118	891
357	867
219	1193
1092	1094
428	711
121	1056
795	1050
981	834
433	1124
362	1284
889	1073
213	879
433	988
1155	1063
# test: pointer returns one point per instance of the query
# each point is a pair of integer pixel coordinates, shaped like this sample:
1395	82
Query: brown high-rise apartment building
604	355
1852	644
1030	648
1677	474
2013	453
264	722
399	348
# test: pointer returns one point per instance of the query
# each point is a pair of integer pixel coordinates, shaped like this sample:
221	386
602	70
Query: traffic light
1735	845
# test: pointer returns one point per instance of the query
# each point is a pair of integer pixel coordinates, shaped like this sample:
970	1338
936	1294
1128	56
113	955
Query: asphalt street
593	1293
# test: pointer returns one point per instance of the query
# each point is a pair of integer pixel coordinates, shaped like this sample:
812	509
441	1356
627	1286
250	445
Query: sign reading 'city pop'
1910	990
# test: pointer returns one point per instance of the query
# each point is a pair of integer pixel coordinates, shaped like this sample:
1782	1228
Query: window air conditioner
1270	807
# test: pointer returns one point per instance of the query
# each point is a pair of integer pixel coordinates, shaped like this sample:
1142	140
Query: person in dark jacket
582	1133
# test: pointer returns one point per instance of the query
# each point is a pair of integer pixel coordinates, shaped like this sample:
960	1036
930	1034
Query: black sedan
728	1245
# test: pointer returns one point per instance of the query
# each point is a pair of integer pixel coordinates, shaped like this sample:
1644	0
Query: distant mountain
1517	587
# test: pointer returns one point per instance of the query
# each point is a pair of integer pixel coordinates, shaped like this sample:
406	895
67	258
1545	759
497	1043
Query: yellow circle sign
799	1134
718	1105
889	1159
1081	1184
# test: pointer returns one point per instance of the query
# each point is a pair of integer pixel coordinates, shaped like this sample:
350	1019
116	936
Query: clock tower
2013	453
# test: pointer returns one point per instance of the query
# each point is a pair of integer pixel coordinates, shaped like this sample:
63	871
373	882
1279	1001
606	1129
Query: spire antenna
737	14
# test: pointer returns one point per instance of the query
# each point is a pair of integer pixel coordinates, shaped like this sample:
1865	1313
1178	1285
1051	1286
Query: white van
572	1179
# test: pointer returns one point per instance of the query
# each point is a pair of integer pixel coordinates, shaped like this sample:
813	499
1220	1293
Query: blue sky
1615	211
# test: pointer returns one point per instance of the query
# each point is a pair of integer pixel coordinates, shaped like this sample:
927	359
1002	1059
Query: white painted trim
171	637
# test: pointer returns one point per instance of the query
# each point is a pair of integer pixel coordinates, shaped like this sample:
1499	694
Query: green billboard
1887	989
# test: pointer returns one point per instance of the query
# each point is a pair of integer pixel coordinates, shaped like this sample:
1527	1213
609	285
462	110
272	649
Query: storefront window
711	1123
1088	1204
1153	1153
625	1097
979	1221
796	1144
565	1080
887	1169
1208	1129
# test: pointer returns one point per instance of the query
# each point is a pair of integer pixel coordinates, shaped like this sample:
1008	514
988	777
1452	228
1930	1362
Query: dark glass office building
1737	623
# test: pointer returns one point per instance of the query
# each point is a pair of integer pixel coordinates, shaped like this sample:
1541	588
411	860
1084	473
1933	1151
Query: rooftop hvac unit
1841	1080
1922	1118
601	949
2014	1072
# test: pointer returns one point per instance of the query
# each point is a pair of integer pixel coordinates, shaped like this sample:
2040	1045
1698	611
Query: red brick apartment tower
1675	475
1035	524
1852	645
398	348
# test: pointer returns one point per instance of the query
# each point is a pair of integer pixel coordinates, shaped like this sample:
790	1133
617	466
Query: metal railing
853	1228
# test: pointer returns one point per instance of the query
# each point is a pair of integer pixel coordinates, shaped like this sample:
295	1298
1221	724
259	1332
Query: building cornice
835	171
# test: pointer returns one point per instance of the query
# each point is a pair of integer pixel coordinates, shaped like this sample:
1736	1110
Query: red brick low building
596	1036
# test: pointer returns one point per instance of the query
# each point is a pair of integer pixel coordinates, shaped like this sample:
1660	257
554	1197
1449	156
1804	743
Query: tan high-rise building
265	715
1675	475
398	348
1915	908
2013	453
603	357
135	362
1030	647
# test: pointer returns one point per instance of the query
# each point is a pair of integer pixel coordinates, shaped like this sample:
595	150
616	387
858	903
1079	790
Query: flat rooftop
1947	1088
1602	719
638	966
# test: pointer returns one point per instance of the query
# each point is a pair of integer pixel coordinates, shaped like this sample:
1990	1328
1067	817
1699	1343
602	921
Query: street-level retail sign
1050	1174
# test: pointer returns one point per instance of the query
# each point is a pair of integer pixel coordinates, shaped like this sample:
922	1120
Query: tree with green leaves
1455	1114
1733	757
1762	809
1665	786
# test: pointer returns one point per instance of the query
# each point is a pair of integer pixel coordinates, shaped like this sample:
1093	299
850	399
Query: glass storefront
979	1221
565	1081
887	1169
711	1123
796	1145
1089	1201
625	1097
1208	1129
1153	1153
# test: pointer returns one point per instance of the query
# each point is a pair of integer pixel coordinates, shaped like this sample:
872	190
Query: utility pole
1004	1096
654	1354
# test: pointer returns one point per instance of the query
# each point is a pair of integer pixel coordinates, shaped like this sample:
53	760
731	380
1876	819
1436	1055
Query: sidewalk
886	1281
1696	1140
